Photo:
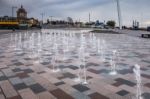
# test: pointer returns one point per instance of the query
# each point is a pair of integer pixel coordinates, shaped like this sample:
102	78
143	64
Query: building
21	13
33	22
23	20
19	22
7	22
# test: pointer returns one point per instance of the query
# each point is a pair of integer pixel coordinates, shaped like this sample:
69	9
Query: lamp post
119	14
42	14
13	7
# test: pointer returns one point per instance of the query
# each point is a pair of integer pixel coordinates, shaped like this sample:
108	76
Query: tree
111	23
70	20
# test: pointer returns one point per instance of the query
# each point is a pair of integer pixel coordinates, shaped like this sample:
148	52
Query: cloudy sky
80	9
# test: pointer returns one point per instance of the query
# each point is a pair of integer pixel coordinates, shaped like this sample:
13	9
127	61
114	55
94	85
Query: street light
119	14
42	14
13	7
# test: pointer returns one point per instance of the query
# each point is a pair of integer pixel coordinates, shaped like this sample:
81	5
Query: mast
119	14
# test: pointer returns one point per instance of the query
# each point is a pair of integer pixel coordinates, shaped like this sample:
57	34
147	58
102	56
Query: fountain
113	63
38	48
17	47
83	45
78	79
65	46
55	56
98	46
84	72
32	46
12	45
82	76
137	73
18	41
94	42
102	50
80	56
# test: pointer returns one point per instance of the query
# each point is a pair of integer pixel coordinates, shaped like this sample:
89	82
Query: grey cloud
131	9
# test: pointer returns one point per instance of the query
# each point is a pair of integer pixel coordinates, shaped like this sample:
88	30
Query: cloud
79	9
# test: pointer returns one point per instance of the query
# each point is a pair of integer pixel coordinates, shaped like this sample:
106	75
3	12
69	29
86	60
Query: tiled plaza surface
22	78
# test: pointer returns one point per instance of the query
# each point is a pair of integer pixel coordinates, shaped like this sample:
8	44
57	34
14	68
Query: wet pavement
29	61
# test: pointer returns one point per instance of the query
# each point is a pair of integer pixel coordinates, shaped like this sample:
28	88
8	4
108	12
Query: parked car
148	28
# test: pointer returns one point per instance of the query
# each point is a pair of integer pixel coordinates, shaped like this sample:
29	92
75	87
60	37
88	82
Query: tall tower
89	17
119	14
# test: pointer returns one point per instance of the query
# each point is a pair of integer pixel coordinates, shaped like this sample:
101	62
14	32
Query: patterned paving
21	77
